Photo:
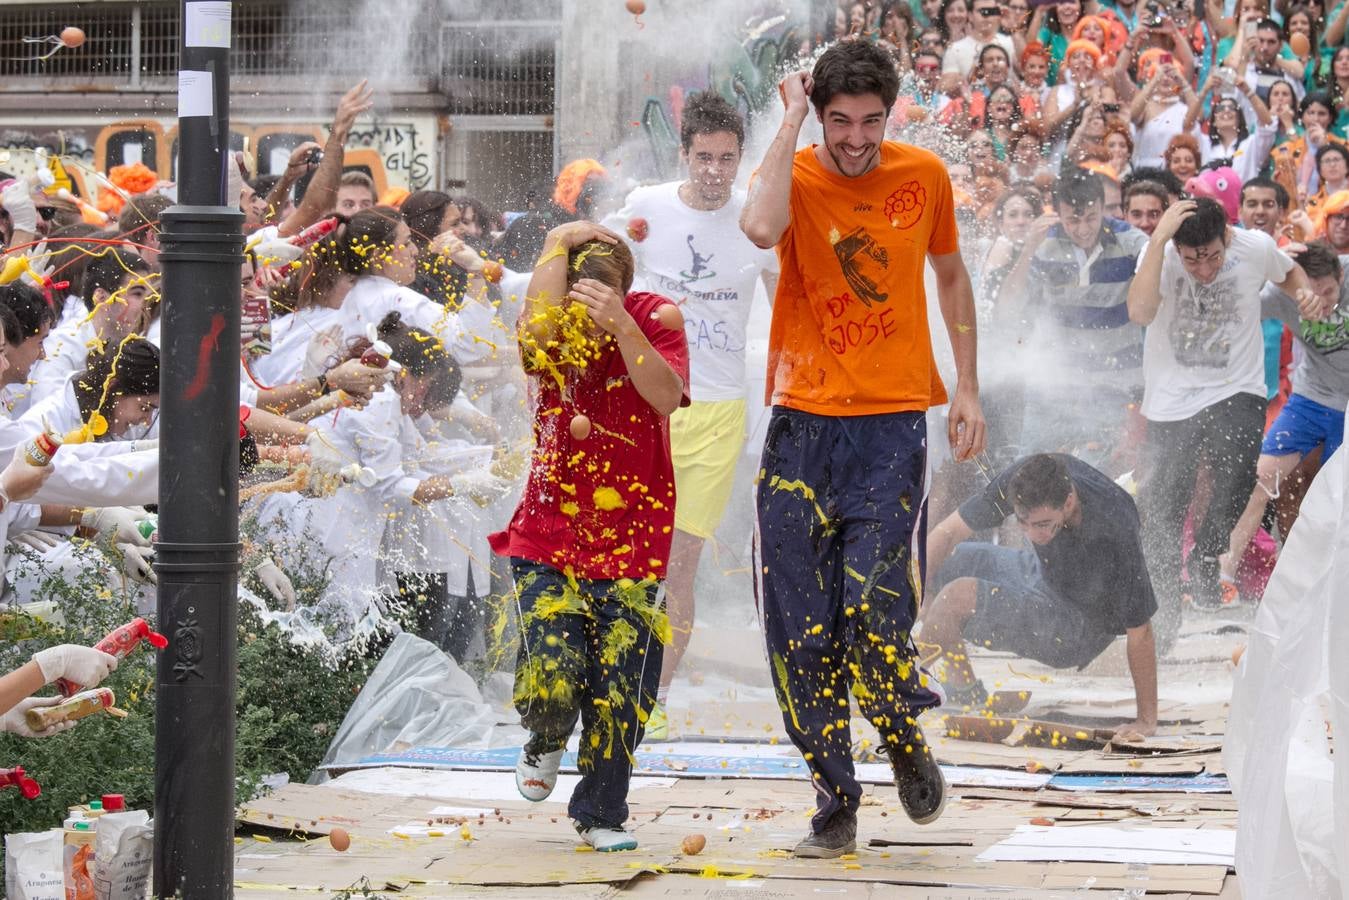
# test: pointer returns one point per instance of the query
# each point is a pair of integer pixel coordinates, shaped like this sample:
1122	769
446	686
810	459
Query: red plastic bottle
15	777
121	644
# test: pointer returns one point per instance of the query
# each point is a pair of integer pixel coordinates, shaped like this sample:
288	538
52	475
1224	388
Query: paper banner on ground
1190	784
1090	843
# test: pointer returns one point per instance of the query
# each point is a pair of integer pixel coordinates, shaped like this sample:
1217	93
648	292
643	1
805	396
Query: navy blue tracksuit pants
589	650
842	502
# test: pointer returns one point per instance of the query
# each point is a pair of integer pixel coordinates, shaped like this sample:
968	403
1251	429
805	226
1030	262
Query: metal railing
128	43
495	68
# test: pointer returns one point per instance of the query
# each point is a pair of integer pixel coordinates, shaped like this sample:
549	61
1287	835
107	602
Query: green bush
290	702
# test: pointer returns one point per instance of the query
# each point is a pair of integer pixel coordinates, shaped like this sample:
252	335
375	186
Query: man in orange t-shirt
842	493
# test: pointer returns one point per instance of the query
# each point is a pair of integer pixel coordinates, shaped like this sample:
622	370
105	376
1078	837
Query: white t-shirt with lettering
1206	344
701	260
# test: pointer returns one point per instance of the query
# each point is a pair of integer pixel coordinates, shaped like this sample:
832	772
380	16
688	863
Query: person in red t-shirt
842	493
590	540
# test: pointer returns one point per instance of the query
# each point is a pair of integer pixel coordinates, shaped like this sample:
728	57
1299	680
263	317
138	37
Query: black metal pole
197	558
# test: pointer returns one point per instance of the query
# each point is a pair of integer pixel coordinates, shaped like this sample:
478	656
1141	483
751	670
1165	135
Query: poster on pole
196	94
208	24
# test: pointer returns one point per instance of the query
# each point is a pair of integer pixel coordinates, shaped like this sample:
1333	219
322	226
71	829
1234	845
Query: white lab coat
471	334
67	349
57	412
371	534
291	335
107	473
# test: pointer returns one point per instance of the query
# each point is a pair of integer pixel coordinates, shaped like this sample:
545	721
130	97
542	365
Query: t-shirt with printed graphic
601	506
1206	343
850	329
1322	373
703	261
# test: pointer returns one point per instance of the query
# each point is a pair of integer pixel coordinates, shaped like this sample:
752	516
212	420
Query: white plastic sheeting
1291	688
417	697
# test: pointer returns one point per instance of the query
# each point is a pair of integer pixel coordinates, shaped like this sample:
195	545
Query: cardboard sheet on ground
695	887
1097	764
1170	713
1145	803
1092	843
753	825
994	755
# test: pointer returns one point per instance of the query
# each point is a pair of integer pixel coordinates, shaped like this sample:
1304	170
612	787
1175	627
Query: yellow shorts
705	439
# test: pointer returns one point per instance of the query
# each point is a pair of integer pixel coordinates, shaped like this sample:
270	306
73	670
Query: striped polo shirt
1076	307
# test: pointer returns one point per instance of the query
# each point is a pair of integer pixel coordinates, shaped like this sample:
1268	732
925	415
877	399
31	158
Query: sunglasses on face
989	12
48	213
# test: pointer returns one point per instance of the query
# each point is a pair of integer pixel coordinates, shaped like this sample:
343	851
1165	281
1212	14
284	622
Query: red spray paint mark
209	343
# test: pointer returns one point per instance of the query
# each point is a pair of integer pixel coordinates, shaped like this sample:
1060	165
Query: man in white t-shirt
689	247
1197	290
963	54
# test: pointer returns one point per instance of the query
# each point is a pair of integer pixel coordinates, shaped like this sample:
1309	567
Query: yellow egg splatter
607	498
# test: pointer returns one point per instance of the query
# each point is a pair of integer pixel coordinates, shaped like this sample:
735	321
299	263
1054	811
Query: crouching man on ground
1062	601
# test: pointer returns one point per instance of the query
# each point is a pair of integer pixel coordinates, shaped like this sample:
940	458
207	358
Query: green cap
95	805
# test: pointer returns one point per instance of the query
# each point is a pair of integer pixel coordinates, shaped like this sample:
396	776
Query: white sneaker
536	770
606	840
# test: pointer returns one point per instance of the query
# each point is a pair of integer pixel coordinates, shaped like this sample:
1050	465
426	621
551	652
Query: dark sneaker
1206	604
922	786
839	837
536	769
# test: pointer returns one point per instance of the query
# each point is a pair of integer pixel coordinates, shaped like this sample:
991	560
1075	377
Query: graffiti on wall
394	154
403	150
746	76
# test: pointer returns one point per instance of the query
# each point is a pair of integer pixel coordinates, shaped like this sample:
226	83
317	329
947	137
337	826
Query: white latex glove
37	541
323	348
358	379
15	723
461	254
136	563
82	665
17	200
115	522
276	583
19	480
479	485
277	252
324	457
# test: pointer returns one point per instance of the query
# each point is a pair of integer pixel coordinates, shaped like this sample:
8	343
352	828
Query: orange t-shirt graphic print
850	326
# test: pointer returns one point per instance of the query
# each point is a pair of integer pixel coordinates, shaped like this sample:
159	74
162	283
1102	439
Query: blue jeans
589	650
1018	611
